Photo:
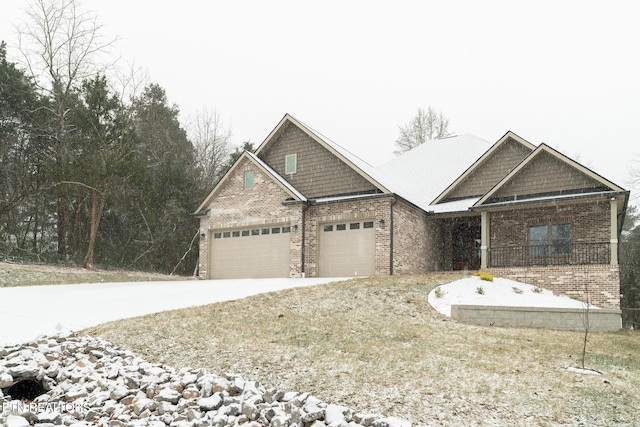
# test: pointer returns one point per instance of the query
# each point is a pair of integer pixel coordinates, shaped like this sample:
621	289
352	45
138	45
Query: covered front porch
529	236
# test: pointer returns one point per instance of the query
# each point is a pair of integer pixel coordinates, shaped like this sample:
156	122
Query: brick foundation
602	281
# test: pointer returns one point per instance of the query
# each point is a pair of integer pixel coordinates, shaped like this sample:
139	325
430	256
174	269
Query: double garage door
347	249
251	252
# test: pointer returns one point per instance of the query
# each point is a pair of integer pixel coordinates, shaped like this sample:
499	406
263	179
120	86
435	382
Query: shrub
480	290
537	290
439	292
484	276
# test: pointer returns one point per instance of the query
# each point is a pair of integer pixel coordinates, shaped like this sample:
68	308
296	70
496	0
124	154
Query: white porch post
614	231
484	240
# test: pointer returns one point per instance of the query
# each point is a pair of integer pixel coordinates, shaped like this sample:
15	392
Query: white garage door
255	252
347	249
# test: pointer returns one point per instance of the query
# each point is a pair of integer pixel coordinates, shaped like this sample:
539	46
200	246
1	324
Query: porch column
614	231
484	240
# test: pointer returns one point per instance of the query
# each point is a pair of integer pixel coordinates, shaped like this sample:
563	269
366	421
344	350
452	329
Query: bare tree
211	139
425	126
61	46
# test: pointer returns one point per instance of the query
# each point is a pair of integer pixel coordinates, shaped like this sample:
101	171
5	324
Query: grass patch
376	345
33	275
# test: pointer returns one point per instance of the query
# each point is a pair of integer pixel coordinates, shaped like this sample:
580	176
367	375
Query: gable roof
421	174
478	163
295	194
543	148
425	175
361	167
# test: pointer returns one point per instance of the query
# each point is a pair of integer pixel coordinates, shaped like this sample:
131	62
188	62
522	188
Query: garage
256	252
347	249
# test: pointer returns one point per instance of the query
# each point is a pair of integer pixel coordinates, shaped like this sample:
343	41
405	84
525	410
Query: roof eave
565	198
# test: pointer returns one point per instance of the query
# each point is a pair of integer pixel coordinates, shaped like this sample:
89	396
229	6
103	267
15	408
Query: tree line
93	170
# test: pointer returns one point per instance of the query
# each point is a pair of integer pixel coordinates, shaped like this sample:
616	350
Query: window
236	234
245	233
286	229
368	224
248	180
328	228
341	227
275	230
538	235
561	238
265	231
354	226
217	235
556	237
226	234
255	232
290	164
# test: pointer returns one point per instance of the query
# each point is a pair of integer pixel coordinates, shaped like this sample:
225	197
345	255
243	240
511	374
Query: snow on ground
27	312
499	292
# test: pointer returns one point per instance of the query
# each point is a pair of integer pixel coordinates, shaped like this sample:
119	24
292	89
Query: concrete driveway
30	311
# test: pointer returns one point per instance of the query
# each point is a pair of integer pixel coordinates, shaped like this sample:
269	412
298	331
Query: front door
466	244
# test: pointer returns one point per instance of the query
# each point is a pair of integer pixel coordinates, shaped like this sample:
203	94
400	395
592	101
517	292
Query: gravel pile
82	381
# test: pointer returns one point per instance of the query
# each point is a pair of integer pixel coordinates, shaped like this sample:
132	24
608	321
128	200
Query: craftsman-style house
301	205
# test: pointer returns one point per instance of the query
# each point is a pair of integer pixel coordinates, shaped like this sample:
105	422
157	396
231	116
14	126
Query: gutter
601	195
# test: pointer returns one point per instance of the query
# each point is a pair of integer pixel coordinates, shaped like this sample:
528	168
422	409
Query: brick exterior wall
413	241
602	281
234	206
590	220
377	210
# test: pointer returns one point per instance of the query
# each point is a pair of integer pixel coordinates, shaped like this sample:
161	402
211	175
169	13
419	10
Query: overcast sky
566	73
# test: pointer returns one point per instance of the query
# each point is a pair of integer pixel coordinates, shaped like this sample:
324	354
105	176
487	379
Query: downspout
393	203
302	264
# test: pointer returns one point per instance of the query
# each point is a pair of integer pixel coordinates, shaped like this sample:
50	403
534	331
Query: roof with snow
423	173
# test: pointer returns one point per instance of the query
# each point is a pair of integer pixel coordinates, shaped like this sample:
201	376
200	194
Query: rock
131	382
6	380
220	384
191	393
16	421
335	413
24	371
119	392
279	421
233	409
210	403
96	383
365	419
312	413
249	410
140	405
52	417
169	395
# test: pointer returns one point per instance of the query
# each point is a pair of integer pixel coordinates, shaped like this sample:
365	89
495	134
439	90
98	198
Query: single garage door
251	252
347	249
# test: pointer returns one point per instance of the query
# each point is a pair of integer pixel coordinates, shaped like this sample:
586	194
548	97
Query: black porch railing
560	254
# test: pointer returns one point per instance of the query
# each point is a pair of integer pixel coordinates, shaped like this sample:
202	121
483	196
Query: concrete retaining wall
600	320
